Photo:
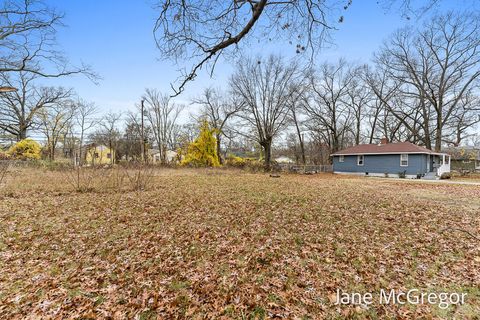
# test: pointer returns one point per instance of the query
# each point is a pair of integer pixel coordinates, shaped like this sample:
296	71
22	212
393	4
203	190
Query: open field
201	244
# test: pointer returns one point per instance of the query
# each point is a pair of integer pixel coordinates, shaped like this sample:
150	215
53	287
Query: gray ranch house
392	160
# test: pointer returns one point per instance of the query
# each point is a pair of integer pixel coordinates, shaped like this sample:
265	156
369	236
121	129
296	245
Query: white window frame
341	158
358	160
403	160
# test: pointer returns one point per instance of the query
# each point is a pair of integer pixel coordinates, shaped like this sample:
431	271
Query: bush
82	179
4	156
203	151
445	175
234	161
254	165
139	176
26	149
249	164
402	174
4	166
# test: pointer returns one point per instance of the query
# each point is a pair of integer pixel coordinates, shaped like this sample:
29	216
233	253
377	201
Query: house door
428	163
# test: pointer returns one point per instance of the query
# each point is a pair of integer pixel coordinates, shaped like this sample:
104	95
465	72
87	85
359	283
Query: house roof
388	148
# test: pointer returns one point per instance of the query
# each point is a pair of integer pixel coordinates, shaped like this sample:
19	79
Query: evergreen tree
203	151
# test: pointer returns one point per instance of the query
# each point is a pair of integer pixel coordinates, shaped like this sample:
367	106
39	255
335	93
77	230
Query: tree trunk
357	133
438	139
267	148
163	154
80	153
299	134
22	134
438	132
219	150
111	151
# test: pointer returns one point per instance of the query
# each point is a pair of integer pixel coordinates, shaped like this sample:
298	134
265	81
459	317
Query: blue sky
115	38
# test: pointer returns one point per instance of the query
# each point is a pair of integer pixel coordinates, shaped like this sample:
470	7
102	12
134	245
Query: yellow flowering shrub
25	149
203	151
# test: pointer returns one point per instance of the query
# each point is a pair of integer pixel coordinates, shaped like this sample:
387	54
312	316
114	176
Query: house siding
382	163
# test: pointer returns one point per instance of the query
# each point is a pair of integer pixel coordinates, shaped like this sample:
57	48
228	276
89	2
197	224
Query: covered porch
438	164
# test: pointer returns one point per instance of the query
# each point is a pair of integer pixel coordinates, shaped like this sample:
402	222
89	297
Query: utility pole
143	135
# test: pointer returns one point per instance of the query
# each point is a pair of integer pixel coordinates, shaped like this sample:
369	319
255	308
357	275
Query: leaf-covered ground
219	244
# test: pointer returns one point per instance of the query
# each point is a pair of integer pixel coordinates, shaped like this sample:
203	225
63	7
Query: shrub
234	161
26	149
203	151
402	174
4	166
254	165
4	156
139	176
82	179
445	175
249	164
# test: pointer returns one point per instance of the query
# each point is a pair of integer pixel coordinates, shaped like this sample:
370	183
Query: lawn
472	177
201	244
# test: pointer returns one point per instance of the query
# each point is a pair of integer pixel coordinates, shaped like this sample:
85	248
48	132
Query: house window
360	160
109	156
341	159
404	160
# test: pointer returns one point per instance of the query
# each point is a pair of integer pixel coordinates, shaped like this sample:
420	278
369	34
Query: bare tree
465	117
109	134
162	114
54	123
296	105
218	107
132	141
358	98
206	30
329	116
435	66
27	40
393	114
264	87
19	110
84	120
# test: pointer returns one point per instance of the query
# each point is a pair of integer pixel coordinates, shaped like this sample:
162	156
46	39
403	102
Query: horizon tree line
422	87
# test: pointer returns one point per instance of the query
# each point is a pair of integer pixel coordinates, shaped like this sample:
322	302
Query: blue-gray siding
382	163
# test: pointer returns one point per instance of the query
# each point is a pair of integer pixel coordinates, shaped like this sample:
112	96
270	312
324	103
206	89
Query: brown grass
224	244
472	177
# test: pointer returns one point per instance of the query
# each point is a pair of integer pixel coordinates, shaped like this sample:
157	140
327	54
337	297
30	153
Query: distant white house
284	159
171	156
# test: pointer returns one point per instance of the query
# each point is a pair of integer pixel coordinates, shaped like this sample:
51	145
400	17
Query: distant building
392	159
284	159
155	157
465	158
94	154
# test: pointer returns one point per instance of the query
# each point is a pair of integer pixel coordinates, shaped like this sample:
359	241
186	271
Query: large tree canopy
203	30
28	40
